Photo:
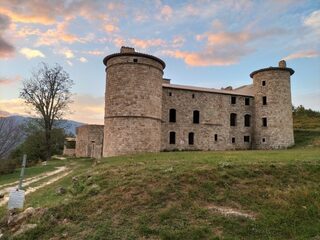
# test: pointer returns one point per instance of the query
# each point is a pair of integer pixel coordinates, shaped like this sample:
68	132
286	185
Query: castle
144	112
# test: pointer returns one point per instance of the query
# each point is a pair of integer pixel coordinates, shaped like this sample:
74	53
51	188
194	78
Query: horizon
203	43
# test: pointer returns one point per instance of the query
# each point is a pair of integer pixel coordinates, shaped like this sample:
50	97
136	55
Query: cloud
67	53
111	28
15	106
9	81
313	22
222	48
94	52
166	12
31	53
87	108
58	34
6	49
142	43
303	54
83	59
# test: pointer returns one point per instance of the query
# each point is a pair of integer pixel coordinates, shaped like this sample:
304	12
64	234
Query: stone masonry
89	141
146	113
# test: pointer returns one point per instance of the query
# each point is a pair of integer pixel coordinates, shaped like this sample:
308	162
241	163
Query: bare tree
10	135
48	92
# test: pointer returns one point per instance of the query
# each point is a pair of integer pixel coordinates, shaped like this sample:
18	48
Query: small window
170	94
233	119
263	83
233	140
172	115
264	100
172	138
246	138
191	138
193	95
247	120
135	60
264	122
196	116
216	137
247	101
233	100
263	140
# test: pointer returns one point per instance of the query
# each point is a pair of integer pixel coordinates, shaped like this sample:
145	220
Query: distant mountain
68	125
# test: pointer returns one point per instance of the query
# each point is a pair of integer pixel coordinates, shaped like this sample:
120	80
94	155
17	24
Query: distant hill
69	125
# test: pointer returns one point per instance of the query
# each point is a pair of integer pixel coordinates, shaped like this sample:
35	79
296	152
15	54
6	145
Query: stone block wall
133	104
279	130
215	110
89	141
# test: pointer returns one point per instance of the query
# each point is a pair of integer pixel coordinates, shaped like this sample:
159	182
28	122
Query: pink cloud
142	43
9	81
303	54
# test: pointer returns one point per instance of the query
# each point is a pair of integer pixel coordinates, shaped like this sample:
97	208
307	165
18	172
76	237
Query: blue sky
204	43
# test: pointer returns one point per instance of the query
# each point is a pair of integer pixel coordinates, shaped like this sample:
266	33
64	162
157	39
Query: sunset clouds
203	42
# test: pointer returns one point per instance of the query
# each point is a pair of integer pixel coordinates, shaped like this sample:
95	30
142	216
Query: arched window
191	138
172	138
247	120
196	116
172	115
233	119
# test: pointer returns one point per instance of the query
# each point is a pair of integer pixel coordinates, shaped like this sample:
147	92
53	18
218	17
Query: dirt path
6	188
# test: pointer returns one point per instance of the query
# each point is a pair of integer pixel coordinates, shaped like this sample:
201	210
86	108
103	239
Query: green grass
166	196
306	122
30	171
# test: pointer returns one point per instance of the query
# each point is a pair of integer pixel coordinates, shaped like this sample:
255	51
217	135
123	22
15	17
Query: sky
205	43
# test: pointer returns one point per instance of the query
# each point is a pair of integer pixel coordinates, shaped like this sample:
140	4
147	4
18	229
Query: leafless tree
10	135
48	93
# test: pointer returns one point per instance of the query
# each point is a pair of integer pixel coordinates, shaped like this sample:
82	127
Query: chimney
126	50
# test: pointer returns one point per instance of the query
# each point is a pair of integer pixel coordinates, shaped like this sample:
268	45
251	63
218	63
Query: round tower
273	124
132	103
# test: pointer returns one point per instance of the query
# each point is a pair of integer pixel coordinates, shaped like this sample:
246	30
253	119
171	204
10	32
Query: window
246	138
264	100
264	122
216	137
172	138
247	101
263	83
193	95
170	94
263	140
191	138
233	100
135	60
196	116
233	119
233	140
247	120
172	115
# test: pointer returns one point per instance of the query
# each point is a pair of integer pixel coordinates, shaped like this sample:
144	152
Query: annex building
146	113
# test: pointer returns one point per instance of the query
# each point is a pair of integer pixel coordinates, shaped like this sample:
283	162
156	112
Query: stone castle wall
133	105
214	111
138	101
89	142
279	130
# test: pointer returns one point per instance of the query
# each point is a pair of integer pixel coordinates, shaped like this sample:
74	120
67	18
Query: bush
8	165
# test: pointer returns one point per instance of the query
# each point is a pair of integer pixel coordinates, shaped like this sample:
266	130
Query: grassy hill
186	195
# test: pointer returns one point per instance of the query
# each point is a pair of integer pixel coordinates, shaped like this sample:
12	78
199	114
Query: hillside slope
185	195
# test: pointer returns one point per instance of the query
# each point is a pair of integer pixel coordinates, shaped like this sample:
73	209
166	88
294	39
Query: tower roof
127	51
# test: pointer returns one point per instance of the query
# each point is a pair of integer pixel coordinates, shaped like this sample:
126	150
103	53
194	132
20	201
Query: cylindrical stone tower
132	103
273	124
